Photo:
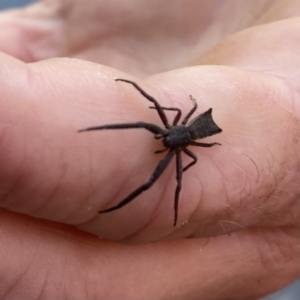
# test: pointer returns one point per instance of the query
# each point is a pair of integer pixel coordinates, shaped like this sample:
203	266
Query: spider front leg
151	127
155	175
159	109
177	117
191	111
207	145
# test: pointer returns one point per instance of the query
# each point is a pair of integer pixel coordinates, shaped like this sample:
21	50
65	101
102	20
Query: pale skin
238	225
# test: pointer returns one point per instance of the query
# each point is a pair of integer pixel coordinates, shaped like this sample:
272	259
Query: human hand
50	172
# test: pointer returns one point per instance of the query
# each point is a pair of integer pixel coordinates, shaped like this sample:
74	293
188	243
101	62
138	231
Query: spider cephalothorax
175	138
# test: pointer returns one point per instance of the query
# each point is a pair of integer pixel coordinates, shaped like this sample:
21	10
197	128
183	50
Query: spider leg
151	127
161	151
150	98
192	155
191	111
155	175
158	136
177	117
178	188
204	144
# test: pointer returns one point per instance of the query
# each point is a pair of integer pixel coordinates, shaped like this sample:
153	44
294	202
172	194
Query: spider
175	138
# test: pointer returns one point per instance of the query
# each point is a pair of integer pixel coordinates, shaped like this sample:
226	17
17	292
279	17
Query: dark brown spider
175	138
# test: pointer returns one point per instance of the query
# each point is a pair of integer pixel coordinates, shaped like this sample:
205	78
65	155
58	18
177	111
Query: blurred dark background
292	292
13	3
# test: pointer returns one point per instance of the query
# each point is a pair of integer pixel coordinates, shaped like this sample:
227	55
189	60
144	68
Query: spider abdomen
178	137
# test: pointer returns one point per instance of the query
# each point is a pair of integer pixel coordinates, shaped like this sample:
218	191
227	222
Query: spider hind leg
155	175
178	188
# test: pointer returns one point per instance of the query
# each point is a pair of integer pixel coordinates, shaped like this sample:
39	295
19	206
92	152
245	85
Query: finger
253	178
66	28
249	49
51	171
32	33
48	169
57	261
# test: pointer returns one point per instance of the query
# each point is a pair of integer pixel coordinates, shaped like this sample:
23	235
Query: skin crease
238	234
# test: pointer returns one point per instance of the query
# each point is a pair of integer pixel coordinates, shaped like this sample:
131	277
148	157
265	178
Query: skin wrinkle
129	178
60	284
84	202
293	199
116	193
145	226
274	212
87	291
261	214
8	197
3	132
188	231
197	207
267	258
245	182
18	176
228	228
42	294
293	218
22	275
200	197
222	173
284	178
93	187
14	285
270	169
233	220
136	233
285	190
51	197
234	223
295	152
260	211
153	214
94	194
94	191
273	175
237	214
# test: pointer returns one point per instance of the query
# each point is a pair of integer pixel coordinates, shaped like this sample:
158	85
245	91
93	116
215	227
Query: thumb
31	33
